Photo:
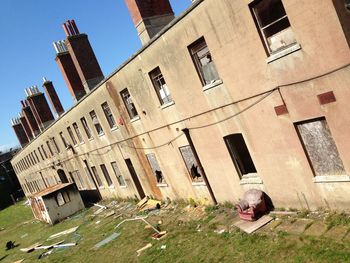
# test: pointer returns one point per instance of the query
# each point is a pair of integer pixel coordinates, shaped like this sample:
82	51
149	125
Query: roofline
154	39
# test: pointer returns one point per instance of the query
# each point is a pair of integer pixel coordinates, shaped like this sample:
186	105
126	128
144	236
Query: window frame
109	115
118	174
86	128
193	180
96	123
126	103
71	135
106	175
156	75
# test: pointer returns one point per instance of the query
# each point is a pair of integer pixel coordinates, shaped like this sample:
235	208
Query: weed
210	209
228	205
335	219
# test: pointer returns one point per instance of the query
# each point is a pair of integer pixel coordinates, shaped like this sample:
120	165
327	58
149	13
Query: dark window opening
203	61
96	123
71	135
191	163
152	160
106	175
65	143
86	128
109	115
77	131
130	107
273	24
240	155
97	176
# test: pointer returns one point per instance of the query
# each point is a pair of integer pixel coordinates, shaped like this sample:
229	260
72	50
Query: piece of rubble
149	245
66	232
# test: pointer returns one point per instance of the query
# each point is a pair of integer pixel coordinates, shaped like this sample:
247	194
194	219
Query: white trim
252	178
137	118
331	178
198	184
166	105
123	186
213	84
115	128
284	52
162	185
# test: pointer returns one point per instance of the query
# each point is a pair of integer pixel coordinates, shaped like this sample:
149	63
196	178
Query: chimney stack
29	116
149	16
19	130
82	56
68	70
53	97
40	107
25	126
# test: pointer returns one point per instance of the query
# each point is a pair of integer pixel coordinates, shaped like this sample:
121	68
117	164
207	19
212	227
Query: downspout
186	131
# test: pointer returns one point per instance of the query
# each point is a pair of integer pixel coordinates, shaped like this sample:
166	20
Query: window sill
123	186
101	187
213	84
331	178
283	53
252	178
91	139
198	184
137	118
166	105
162	185
82	143
114	128
101	134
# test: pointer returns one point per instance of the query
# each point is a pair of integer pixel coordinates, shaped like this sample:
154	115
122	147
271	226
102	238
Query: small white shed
56	202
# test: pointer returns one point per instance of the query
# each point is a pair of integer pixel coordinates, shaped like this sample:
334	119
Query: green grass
184	243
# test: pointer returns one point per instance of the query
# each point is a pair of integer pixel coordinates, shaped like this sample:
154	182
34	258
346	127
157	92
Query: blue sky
27	30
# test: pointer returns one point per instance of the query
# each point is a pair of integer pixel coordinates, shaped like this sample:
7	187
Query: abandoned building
228	96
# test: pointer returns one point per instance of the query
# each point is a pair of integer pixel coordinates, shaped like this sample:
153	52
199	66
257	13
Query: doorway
62	176
135	178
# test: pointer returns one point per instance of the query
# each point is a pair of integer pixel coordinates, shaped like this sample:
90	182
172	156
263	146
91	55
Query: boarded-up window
155	168
191	163
320	147
118	174
59	199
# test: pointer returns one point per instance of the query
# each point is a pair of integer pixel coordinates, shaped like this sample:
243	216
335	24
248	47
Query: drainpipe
189	139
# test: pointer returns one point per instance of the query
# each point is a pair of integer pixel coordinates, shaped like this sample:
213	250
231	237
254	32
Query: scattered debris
138	218
66	232
220	231
283	213
45	254
2	229
49	246
97	222
65	245
150	205
19	261
101	209
31	248
10	245
142	202
163	247
159	235
250	227
107	240
109	214
24	235
138	252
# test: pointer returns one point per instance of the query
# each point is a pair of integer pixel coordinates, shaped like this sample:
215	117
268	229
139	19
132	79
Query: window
240	155
273	24
71	135
130	107
203	61
49	147
109	115
78	180
118	174
54	143
86	128
77	131
97	176
96	123
36	156
155	168
63	140
90	179
106	175
191	163
42	148
62	198
160	86
42	157
320	147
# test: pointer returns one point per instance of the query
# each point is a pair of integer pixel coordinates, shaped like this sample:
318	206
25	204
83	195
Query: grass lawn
191	238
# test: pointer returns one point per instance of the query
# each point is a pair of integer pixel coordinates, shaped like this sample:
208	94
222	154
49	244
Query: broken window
160	86
155	168
203	61
63	140
97	176
273	24
109	115
77	131
240	155
96	123
106	175
320	147
86	128
130	107
191	163
71	135
118	174
62	198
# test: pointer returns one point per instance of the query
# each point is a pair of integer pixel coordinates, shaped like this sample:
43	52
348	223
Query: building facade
230	95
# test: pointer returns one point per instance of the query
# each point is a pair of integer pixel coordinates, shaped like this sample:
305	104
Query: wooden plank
250	227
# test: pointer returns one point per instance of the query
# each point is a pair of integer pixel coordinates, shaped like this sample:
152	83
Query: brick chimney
29	116
149	16
25	126
20	133
83	56
40	107
68	70
53	97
